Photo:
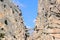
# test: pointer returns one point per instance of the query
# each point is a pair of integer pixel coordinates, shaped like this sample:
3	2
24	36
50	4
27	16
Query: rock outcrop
48	21
11	23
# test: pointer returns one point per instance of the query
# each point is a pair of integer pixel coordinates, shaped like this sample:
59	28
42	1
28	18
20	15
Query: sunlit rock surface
47	25
48	21
11	23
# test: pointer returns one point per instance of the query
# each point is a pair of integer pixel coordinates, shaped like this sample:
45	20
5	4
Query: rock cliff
48	21
11	23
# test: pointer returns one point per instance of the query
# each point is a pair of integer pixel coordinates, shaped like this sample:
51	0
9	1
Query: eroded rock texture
11	22
47	21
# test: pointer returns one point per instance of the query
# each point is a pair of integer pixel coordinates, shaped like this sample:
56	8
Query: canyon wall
48	21
11	23
47	24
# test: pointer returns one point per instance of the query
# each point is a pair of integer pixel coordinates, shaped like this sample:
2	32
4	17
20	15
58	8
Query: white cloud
34	20
28	27
19	3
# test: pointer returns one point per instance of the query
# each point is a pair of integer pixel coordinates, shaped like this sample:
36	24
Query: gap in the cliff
29	12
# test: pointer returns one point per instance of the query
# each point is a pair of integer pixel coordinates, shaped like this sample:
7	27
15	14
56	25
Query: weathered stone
11	23
47	21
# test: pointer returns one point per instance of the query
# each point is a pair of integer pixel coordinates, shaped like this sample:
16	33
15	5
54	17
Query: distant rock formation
48	21
11	23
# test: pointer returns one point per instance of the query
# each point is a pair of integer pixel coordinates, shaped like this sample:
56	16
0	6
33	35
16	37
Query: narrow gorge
47	24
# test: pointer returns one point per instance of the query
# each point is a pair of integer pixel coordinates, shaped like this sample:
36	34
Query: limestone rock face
47	21
11	22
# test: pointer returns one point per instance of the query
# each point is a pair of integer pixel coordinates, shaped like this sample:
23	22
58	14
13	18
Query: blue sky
29	11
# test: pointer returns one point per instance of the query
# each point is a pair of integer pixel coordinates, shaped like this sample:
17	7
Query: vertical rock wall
48	21
11	23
